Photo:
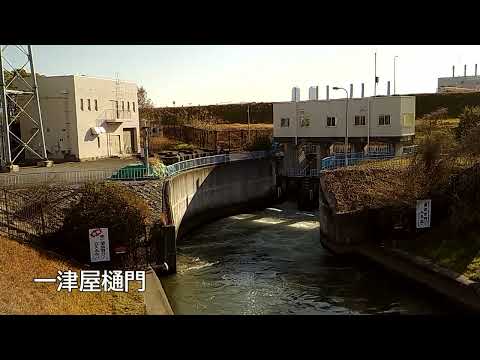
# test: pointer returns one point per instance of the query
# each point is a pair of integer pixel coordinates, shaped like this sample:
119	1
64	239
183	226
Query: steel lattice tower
19	102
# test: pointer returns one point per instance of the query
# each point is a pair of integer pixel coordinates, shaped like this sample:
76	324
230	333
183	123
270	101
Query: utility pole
373	105
145	145
248	117
394	76
346	121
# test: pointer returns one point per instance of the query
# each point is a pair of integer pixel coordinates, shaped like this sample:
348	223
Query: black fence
36	216
210	139
23	217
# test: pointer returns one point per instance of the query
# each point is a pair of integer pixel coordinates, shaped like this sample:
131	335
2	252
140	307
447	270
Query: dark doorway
129	144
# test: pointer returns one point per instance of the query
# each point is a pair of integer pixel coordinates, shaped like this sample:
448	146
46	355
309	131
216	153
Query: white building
86	118
386	122
459	83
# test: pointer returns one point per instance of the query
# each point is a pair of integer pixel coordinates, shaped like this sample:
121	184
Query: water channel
272	262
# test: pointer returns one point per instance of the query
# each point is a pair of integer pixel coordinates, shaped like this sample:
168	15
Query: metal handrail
81	176
49	177
214	160
336	161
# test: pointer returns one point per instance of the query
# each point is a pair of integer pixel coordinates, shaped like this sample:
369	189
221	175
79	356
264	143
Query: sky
206	74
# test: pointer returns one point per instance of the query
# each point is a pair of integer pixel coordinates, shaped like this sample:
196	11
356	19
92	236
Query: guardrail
336	161
136	172
126	173
53	177
214	160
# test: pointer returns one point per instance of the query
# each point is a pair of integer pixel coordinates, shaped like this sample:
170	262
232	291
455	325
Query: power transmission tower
19	104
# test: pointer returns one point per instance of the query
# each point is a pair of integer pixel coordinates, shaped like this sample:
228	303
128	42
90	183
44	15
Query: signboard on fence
424	212
99	244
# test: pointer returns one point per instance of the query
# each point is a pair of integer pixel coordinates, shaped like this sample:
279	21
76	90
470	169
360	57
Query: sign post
424	213
99	244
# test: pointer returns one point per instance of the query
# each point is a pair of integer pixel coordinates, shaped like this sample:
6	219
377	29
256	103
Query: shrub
430	150
469	120
157	166
470	143
465	195
109	205
439	114
431	122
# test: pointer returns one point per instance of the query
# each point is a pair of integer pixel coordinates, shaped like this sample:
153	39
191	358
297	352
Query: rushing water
272	262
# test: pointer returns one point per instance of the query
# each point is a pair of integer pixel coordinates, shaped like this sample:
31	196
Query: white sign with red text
99	245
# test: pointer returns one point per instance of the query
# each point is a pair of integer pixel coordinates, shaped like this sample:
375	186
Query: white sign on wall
99	245
424	212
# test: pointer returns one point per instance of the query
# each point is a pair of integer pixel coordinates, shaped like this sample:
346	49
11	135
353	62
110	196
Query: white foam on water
274	209
305	225
199	266
269	220
242	216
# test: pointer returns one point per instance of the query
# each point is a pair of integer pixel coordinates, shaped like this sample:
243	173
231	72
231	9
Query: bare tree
146	108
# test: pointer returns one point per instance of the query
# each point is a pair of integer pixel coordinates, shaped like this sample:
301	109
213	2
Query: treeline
454	102
260	113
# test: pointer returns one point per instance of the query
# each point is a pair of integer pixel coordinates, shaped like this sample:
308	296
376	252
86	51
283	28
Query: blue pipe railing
214	160
338	160
140	172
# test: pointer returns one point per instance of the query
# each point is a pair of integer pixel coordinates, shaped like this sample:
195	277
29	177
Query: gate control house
87	118
318	127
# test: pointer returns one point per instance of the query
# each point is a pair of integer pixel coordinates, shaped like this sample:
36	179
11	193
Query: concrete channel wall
353	232
203	194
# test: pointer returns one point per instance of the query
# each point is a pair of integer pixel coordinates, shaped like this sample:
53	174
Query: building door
115	144
129	141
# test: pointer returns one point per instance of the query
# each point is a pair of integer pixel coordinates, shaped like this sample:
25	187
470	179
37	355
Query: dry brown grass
396	182
356	188
20	264
162	141
442	128
375	184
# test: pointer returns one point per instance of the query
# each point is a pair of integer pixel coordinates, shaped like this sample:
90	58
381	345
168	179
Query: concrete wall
203	194
340	231
318	111
59	118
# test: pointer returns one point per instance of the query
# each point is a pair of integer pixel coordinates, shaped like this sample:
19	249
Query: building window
98	141
123	105
408	120
96	105
133	106
81	104
360	120
384	120
88	105
331	121
116	109
128	105
305	121
284	122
